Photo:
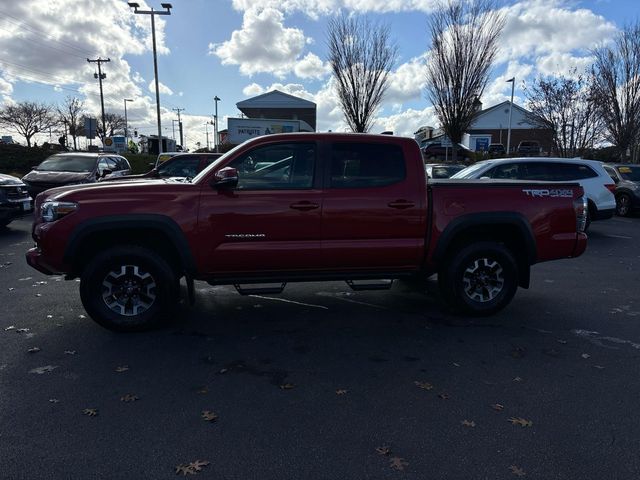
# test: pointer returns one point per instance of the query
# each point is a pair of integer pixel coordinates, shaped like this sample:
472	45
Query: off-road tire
128	289
480	279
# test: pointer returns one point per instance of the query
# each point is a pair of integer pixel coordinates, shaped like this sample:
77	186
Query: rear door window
506	171
365	165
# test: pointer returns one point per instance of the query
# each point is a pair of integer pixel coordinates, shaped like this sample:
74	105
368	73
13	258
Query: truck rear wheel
480	279
128	288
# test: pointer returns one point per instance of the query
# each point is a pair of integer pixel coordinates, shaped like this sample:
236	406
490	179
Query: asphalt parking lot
322	382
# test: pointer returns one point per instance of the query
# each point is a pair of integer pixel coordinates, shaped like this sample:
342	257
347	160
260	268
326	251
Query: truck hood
115	188
37	176
9	180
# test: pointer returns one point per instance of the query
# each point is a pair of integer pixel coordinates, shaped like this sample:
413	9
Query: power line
32	29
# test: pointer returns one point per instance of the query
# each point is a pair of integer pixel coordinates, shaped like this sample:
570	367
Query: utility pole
180	125
216	99
513	84
167	11
126	123
100	76
206	129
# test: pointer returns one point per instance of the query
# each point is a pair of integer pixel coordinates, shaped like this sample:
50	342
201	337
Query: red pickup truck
302	207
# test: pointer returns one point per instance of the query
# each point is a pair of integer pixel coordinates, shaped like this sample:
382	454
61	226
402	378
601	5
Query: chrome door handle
401	204
304	206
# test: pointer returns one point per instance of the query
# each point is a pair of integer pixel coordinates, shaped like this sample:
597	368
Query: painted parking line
619	236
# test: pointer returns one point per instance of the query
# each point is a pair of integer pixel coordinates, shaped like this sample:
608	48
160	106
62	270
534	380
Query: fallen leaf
518	352
517	379
468	423
22	330
33	350
122	368
91	412
497	407
599	367
10	327
81	316
287	386
45	369
456	364
384	450
563	342
341	391
53	400
521	421
191	468
202	390
69	352
398	463
129	398
423	385
38	294
444	396
49	316
223	370
209	416
585	355
11	289
517	471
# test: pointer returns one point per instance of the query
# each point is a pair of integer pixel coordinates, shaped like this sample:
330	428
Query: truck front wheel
128	288
480	279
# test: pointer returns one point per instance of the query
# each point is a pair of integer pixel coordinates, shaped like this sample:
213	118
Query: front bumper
35	259
15	208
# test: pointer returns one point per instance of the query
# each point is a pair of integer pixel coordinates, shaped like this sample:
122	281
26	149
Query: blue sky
240	48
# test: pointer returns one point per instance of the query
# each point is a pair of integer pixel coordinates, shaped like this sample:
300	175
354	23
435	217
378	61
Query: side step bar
259	290
359	286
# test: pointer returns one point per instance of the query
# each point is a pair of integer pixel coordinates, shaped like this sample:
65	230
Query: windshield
470	172
630	173
68	163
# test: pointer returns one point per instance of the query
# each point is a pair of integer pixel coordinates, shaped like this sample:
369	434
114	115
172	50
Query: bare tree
28	118
114	123
567	106
361	54
464	44
71	113
616	71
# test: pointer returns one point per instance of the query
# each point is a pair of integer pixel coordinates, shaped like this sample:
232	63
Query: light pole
167	11
206	129
513	84
173	125
126	123
216	99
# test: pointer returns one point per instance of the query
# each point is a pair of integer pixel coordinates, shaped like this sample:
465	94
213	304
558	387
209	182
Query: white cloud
6	88
311	66
407	122
316	8
161	86
543	27
263	44
407	82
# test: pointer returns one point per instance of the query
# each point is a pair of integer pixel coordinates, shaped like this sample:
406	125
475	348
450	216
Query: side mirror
106	172
225	178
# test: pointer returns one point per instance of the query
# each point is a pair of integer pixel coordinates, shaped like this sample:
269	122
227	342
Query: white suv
597	184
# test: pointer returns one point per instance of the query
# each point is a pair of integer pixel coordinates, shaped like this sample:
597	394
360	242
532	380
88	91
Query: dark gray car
74	168
14	199
627	180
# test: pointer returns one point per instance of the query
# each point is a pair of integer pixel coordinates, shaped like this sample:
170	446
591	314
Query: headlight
52	211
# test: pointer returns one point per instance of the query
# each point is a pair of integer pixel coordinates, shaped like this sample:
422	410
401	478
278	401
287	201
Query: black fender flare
469	221
134	221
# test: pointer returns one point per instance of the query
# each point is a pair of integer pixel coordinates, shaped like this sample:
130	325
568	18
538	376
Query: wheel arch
510	228
158	232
